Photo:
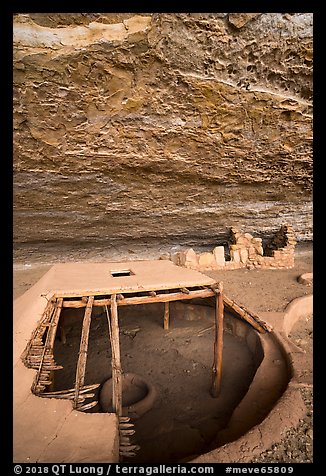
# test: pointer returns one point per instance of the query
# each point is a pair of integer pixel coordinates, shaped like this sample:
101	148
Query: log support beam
218	343
152	298
83	348
166	316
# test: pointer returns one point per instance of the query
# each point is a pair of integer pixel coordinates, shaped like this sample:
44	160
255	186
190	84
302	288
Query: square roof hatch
121	273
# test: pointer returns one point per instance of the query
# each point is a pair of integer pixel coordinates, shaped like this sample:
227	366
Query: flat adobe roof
73	279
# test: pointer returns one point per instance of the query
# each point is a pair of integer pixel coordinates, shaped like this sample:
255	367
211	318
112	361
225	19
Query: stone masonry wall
246	251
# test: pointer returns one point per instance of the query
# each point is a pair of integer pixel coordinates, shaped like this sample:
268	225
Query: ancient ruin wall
243	251
161	126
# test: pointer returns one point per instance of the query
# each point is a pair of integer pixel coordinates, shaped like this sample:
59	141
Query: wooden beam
185	290
218	343
127	301
108	291
166	315
48	311
249	317
74	304
71	391
177	296
54	324
87	406
82	357
39	383
116	362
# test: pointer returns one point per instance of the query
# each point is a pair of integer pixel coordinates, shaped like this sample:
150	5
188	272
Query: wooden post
82	357
166	315
116	362
218	344
62	329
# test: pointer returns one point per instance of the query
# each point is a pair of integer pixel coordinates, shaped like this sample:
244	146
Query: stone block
219	256
256	241
191	259
187	258
234	234
248	236
235	247
259	250
180	258
265	260
252	265
260	259
235	255
278	254
244	255
233	265
242	240
252	253
175	258
258	247
206	260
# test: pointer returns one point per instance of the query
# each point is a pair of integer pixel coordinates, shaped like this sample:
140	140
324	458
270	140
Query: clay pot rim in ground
137	409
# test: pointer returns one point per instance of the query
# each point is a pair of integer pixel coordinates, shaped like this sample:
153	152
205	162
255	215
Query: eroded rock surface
161	126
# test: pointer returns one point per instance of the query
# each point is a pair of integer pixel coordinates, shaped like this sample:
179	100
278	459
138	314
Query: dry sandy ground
259	291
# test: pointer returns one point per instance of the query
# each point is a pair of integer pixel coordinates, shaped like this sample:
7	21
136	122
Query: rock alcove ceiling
160	127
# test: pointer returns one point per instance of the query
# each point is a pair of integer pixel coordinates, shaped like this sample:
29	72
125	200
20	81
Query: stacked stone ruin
246	251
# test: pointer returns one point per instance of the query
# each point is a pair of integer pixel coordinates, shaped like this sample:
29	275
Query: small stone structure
245	252
306	279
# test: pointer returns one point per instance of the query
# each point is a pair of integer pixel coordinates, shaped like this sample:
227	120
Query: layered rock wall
164	127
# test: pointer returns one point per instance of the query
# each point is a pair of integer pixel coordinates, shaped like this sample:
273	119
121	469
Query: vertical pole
62	329
166	315
218	343
82	356
116	363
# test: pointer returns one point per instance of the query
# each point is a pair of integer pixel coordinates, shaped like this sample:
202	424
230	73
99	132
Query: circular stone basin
306	279
138	396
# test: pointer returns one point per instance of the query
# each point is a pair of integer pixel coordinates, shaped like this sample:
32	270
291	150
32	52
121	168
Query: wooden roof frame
39	351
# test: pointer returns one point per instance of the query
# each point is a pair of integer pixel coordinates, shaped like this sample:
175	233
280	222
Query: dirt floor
185	418
258	290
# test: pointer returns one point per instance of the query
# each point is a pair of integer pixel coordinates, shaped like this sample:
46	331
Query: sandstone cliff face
168	127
